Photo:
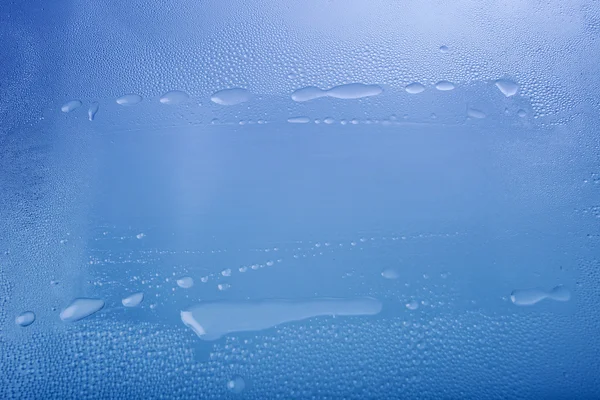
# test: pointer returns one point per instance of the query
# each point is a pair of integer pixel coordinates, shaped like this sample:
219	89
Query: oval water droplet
354	91
444	86
414	88
230	97
236	385
81	308
25	319
70	106
129	99
186	282
329	120
444	49
521	113
174	97
308	93
475	113
507	87
134	300
390	273
298	120
93	110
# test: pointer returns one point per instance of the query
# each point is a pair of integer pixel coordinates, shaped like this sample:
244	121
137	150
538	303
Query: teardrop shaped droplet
70	106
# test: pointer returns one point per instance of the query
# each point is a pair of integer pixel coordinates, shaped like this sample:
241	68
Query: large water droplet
93	110
174	97
129	99
507	87
230	97
354	91
298	120
390	273
25	319
444	85
414	88
134	300
81	308
529	297
186	282
70	106
236	385
210	321
308	93
475	113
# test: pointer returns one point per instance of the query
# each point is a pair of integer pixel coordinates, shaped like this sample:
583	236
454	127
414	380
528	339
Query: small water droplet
412	305
134	300
174	97
129	100
230	97
475	113
444	85
444	49
186	282
414	88
521	113
226	272
25	319
236	385
390	273
329	120
140	235
223	286
81	308
70	106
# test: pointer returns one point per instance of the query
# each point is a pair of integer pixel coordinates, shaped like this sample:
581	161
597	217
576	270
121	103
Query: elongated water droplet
25	319
507	87
174	97
475	113
529	297
390	273
444	85
70	106
414	88
129	99
186	282
81	308
93	110
230	97
210	321
298	120
354	91
134	300
308	93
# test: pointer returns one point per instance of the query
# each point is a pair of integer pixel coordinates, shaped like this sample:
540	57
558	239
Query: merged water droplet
134	300
298	120
308	93
186	282
81	308
236	385
414	88
174	97
230	97
70	106
129	99
25	319
507	87
529	297
475	113
93	110
390	273
444	86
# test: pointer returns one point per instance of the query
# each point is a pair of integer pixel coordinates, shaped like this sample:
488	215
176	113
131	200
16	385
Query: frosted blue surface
304	199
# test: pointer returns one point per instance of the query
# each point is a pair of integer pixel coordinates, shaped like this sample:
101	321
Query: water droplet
521	113
236	385
223	286
507	87
444	49
414	88
444	85
329	120
174	97
298	120
226	272
412	305
308	93
129	99
81	308
140	235
70	106
25	319
475	113
186	282
134	300
390	273
529	297
230	97
212	320
93	110
354	91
